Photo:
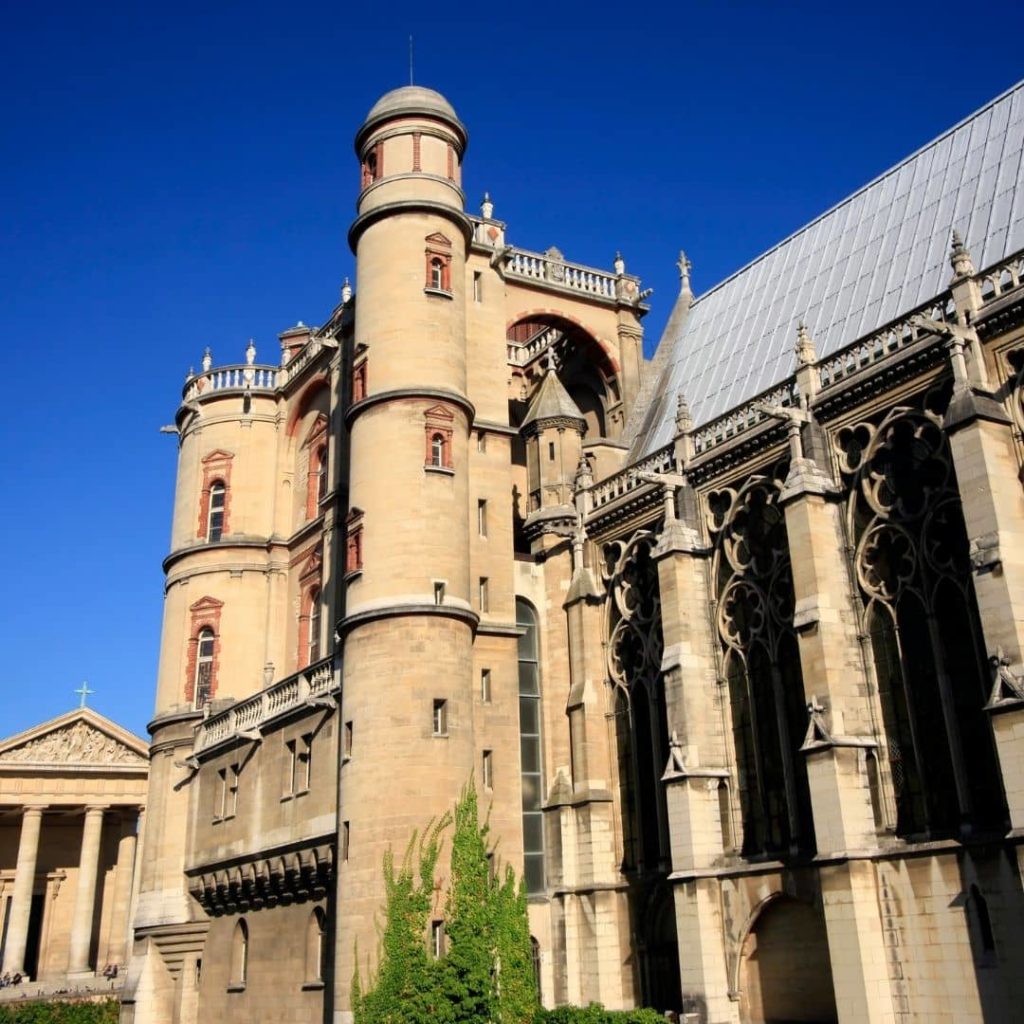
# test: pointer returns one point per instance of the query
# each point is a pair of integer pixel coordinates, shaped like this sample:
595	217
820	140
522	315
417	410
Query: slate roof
871	259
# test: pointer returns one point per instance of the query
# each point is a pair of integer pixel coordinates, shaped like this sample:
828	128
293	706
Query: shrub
26	1012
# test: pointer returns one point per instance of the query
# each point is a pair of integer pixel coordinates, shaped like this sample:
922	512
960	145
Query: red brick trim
354	541
439	423
609	364
359	380
416	136
216	467
438	251
204	614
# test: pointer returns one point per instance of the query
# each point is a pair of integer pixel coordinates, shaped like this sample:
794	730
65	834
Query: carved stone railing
521	355
316	680
876	346
1002	278
300	360
627	480
538	266
238	377
727	426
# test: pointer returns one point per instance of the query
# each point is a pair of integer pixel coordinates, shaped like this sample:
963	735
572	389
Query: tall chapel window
532	777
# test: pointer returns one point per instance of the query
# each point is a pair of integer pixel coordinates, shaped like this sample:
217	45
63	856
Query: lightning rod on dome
410	60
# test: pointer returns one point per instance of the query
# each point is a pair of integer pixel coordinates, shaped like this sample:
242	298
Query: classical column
123	879
24	883
85	897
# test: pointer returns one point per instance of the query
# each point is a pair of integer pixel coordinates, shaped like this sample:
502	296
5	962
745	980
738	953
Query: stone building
72	793
731	640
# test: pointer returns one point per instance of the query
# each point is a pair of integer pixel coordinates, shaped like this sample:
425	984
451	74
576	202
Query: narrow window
481	441
204	667
535	951
484	593
290	757
437	939
481	517
478	286
346	833
220	800
437	450
487	770
440	717
239	955
215	526
551	451
437	274
485	685
306	760
438	592
232	795
530	749
321	470
313	637
346	748
199	970
316	945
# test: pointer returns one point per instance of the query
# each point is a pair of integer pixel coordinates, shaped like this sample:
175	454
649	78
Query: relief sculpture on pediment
75	744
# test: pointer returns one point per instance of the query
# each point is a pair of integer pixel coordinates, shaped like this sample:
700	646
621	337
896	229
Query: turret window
218	498
204	667
438	263
437	450
438	432
436	273
203	651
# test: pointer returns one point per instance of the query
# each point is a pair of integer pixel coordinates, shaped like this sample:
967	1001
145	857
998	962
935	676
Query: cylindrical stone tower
408	626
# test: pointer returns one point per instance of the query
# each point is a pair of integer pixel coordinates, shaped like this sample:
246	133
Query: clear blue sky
176	176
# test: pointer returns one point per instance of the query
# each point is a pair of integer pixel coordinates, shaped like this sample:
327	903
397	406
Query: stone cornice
404	394
393	611
365	220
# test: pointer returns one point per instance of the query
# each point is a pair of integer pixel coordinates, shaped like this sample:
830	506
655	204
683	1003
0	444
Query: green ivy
595	1013
25	1012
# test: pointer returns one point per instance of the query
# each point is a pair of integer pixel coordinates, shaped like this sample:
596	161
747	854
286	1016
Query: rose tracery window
634	665
762	666
920	614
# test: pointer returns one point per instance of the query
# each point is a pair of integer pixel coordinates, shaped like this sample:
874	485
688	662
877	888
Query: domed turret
410	101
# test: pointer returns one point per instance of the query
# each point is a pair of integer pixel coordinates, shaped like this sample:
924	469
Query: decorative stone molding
78	743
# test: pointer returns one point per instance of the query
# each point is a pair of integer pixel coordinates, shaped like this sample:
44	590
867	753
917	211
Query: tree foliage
64	1012
485	975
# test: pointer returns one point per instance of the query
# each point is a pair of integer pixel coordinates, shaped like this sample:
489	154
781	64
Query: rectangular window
478	286
485	685
306	760
438	592
487	770
484	595
551	451
345	837
290	759
220	798
346	746
481	441
440	721
232	795
437	939
481	517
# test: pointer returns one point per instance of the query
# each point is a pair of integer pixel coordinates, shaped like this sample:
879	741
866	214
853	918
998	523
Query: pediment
80	739
438	239
217	455
205	604
439	412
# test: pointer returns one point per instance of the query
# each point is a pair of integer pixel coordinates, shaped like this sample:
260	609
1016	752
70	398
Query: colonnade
83	915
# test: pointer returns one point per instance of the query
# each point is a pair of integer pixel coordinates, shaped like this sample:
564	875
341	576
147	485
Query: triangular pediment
217	455
438	239
439	412
80	739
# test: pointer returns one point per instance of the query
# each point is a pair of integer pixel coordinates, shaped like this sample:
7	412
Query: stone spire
960	258
685	266
806	353
684	421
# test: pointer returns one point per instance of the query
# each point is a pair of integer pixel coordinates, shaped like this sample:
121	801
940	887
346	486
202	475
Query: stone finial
207	360
346	291
960	258
619	264
584	475
250	353
806	353
487	207
191	373
685	266
684	421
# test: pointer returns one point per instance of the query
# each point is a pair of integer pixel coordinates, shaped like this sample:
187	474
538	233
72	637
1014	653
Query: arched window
437	450
215	521
530	749
535	958
316	946
203	687
240	954
437	273
314	626
321	470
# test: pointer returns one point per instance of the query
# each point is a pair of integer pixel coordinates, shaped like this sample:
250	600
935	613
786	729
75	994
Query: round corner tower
409	619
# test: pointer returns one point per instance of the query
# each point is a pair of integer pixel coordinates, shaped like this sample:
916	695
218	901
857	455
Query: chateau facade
731	641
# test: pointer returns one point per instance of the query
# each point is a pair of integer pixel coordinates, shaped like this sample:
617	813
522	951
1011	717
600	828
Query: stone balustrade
522	355
253	713
237	377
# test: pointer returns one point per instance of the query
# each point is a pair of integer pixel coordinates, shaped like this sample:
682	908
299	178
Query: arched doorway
785	971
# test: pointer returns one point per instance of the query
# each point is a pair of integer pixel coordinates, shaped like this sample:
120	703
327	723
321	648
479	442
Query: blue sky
176	176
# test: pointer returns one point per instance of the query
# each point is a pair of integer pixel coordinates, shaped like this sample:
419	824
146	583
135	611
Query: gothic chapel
731	640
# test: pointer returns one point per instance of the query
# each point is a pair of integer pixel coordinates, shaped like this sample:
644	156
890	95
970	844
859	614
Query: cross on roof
84	692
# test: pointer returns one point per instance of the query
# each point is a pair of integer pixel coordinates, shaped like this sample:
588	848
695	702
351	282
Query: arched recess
784	970
585	367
